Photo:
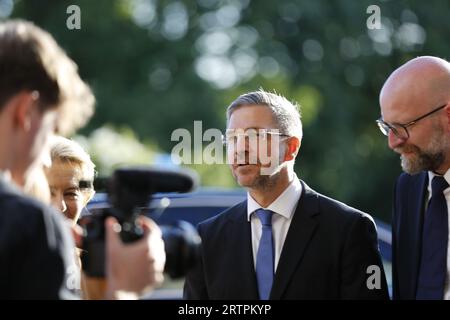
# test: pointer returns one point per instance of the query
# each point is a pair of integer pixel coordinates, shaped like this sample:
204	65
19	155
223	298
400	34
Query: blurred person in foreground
415	116
286	241
42	93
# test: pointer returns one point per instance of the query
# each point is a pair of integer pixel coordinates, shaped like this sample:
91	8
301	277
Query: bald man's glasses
401	130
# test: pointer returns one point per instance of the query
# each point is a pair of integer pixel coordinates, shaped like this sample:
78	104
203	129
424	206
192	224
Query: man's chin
245	182
246	178
409	167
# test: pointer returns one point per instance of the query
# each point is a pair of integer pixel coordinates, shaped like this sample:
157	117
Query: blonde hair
70	152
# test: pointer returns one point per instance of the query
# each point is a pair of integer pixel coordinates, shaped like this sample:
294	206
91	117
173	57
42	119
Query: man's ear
23	105
293	145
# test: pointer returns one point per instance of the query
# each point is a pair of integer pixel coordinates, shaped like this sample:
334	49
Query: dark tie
264	258
433	266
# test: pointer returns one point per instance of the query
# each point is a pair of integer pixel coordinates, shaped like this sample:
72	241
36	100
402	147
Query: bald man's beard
429	158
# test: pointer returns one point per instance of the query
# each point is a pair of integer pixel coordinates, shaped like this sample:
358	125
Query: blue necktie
264	258
433	266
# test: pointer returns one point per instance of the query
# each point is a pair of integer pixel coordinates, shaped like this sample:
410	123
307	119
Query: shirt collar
431	175
284	205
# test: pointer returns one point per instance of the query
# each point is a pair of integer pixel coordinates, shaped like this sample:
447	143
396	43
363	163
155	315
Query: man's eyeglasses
257	135
401	130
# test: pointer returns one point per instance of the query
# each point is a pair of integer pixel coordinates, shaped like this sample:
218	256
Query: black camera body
129	193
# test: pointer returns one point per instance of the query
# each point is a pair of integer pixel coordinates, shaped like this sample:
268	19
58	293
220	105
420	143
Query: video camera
129	193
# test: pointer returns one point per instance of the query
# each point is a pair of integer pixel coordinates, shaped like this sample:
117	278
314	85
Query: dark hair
31	60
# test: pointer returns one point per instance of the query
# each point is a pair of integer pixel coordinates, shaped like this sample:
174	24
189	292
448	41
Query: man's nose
241	144
394	141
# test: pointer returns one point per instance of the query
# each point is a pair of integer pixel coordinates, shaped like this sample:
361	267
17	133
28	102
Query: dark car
194	207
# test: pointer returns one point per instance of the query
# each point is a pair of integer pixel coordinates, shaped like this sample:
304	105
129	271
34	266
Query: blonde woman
70	177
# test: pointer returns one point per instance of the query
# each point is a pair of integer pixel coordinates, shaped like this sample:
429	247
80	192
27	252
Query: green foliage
159	65
110	148
217	175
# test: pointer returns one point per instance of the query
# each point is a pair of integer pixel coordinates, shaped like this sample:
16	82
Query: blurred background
159	65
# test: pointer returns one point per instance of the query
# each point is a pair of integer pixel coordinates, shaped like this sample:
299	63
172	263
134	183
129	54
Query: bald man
415	116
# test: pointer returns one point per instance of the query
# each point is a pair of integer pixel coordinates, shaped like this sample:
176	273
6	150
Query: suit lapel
298	237
243	280
417	199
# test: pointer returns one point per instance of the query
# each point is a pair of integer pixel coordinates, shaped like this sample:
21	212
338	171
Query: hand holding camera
134	267
128	231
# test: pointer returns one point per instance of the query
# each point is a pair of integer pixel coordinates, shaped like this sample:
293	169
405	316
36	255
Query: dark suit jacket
325	255
36	250
410	196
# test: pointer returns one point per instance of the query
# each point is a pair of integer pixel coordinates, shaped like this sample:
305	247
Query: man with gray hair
415	116
285	241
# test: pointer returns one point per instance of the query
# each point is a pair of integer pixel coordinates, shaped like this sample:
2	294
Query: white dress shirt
283	207
431	175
